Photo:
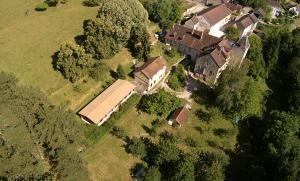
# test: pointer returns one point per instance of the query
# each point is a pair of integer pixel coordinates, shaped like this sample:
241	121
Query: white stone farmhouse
246	24
150	74
211	19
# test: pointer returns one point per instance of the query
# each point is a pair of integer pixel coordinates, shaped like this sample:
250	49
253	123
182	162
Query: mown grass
29	39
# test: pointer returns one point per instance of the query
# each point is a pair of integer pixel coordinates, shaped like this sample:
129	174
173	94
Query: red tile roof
234	7
215	14
152	66
219	56
180	115
193	39
246	21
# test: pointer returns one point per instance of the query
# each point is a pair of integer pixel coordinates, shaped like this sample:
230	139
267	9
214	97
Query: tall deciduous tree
161	103
113	26
73	62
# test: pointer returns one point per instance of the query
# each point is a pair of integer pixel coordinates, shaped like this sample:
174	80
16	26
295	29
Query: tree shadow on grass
147	129
54	61
113	74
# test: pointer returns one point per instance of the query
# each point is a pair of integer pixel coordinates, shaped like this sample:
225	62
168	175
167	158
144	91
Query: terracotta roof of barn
152	66
107	100
196	40
180	115
246	21
215	14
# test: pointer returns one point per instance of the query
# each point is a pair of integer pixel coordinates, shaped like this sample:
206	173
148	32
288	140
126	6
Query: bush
121	72
224	132
91	3
77	88
191	142
171	53
178	78
99	72
156	124
232	33
119	132
160	103
136	147
51	3
41	7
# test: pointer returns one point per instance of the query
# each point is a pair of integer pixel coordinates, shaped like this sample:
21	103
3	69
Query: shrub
156	124
91	3
136	147
178	78
119	132
160	103
99	72
121	72
51	3
41	7
64	1
191	142
171	53
224	132
77	88
232	33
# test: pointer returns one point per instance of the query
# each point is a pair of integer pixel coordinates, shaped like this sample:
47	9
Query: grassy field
107	159
28	40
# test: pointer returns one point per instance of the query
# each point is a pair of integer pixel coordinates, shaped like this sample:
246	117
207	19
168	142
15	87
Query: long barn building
101	108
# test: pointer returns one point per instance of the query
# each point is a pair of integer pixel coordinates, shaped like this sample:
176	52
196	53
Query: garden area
205	130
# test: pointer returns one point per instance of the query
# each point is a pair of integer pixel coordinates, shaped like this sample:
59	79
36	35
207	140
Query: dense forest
38	141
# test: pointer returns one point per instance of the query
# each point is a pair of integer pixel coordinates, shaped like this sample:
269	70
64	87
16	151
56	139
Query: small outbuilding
179	116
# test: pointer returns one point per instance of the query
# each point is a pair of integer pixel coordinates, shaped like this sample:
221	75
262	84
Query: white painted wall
247	31
157	77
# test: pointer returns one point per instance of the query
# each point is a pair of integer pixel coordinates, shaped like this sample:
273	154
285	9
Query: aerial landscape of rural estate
150	90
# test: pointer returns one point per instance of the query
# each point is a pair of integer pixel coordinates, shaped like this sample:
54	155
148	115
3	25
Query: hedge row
94	133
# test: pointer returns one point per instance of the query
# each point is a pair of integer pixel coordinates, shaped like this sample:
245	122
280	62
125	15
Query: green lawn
107	158
28	39
27	42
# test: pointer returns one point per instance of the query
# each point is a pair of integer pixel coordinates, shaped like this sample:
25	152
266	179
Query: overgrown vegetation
164	12
232	33
177	78
161	103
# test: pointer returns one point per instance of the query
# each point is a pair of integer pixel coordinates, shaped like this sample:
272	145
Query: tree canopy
38	141
73	62
165	12
113	27
161	103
